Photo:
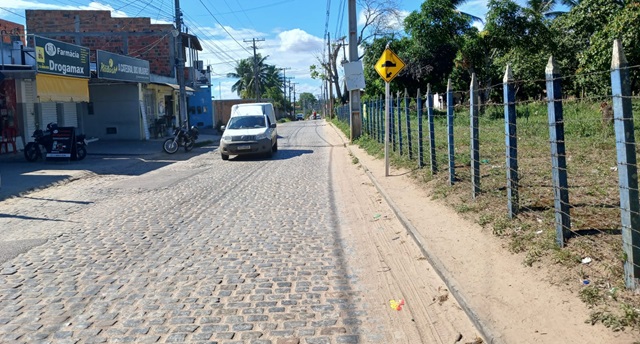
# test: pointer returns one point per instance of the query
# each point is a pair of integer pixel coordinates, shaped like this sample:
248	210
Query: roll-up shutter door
69	115
49	114
28	99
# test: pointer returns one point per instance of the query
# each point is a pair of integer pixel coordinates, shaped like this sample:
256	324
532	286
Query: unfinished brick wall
10	31
97	30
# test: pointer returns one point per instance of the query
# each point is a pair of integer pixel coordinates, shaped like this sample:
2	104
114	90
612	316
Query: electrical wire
340	18
225	29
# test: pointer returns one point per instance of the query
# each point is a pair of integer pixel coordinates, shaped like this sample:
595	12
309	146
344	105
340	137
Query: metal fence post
420	134
558	153
475	144
361	108
376	126
392	123
399	102
627	165
432	132
381	120
511	140
371	108
408	117
365	116
374	119
450	118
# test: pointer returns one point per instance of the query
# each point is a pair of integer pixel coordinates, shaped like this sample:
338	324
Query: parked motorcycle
43	143
181	137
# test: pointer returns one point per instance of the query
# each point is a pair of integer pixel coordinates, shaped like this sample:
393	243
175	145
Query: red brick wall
11	29
135	37
222	108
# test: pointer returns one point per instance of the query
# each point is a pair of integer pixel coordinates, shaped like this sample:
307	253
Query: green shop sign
56	57
120	67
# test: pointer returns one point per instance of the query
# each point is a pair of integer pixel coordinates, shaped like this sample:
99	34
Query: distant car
300	117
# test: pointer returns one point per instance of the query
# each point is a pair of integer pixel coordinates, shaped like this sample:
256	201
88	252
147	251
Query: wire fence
565	170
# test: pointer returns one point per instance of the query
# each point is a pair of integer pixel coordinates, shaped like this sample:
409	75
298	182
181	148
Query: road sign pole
388	66
386	128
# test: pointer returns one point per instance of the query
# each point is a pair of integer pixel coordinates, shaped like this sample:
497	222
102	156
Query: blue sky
292	30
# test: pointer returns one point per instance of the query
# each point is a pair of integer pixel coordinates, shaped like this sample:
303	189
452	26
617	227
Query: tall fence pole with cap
399	107
511	140
450	118
432	132
475	143
627	166
420	133
558	153
408	118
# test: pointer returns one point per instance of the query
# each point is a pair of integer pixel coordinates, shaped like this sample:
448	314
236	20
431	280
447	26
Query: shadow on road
19	176
281	154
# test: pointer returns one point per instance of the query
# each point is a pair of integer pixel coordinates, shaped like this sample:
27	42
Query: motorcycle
43	143
181	137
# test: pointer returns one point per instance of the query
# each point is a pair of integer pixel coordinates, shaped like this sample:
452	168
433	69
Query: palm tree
271	77
254	77
244	74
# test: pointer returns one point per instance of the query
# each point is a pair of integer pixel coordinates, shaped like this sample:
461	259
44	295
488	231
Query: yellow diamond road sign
389	65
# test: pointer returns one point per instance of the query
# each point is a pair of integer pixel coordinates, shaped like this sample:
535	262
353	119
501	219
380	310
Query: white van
251	130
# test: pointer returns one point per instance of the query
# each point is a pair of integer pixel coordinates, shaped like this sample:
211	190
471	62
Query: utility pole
329	77
284	83
294	97
256	81
288	88
326	99
182	100
354	95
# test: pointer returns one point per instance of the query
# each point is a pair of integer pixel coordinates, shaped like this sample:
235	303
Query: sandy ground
390	266
458	282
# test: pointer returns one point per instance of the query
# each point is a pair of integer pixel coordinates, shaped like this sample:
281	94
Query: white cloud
299	41
294	49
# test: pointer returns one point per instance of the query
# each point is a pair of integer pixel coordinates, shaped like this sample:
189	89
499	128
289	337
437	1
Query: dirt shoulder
389	266
511	302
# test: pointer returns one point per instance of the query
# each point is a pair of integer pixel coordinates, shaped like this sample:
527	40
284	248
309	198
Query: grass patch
590	295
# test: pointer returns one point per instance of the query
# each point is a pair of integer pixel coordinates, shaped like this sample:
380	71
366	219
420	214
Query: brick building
97	30
119	108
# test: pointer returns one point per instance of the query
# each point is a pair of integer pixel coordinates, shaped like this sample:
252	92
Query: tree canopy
257	75
439	43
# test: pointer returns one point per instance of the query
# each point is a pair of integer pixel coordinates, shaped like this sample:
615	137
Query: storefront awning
174	87
177	88
54	88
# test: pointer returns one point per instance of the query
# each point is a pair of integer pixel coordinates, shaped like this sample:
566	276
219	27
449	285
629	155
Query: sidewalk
17	175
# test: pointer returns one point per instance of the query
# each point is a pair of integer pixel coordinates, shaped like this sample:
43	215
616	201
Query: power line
340	18
222	26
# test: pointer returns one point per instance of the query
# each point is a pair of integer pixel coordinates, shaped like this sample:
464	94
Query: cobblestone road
243	251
